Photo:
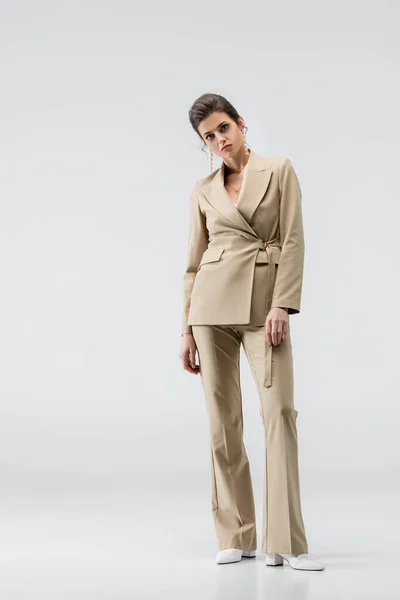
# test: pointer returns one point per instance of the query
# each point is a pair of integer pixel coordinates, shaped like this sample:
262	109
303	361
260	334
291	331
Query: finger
286	328
188	367
192	358
186	361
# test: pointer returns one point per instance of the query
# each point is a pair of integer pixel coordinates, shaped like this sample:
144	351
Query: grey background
104	456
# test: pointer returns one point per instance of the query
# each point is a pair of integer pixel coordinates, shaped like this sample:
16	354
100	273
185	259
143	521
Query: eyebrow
207	132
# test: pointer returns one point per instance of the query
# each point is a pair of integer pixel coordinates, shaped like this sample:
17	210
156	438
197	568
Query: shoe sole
245	554
278	561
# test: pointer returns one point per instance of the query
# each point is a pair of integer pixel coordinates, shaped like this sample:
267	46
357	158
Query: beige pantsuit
243	260
232	494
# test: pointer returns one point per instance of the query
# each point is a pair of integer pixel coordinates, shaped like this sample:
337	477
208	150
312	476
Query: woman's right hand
188	354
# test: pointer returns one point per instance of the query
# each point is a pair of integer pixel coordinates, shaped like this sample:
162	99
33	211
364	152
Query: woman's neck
238	163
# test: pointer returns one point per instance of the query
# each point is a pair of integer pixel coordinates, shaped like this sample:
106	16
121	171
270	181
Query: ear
240	122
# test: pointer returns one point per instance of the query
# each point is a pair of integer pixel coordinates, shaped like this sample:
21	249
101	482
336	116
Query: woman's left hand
276	326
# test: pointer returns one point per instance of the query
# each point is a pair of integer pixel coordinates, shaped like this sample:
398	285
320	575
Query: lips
226	147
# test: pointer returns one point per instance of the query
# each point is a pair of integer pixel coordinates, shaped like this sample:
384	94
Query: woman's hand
276	326
188	354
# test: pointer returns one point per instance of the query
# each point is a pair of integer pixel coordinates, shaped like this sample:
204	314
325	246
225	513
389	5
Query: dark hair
205	105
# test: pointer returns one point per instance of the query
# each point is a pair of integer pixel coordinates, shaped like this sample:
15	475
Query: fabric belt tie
268	365
270	258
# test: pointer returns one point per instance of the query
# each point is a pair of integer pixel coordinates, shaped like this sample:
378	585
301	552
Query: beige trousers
233	509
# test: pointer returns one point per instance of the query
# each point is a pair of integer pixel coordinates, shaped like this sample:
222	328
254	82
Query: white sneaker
296	561
233	555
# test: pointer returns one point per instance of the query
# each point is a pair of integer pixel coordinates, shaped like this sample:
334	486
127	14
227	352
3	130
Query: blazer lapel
253	190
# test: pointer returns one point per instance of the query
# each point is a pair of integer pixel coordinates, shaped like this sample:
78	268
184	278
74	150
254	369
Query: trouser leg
233	507
283	528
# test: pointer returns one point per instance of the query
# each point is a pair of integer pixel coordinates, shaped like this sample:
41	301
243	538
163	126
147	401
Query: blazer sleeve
197	244
289	277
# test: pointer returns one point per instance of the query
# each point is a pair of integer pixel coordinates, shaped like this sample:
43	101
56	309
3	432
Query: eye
222	128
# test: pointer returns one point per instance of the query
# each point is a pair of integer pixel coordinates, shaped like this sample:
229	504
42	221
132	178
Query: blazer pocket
211	255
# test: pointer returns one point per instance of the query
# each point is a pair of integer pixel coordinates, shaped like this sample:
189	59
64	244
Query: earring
211	160
245	141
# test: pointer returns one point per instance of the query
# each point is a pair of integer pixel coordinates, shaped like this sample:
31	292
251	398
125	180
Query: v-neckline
241	189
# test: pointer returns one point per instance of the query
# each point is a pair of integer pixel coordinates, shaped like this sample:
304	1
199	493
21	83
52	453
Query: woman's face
218	130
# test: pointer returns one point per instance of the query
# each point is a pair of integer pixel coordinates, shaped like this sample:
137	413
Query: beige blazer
244	259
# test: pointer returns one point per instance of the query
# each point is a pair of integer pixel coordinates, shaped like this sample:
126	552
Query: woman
243	279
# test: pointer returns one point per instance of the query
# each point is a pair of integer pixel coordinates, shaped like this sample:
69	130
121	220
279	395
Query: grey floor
111	540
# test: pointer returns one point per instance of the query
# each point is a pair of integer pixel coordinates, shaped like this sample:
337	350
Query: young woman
243	279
